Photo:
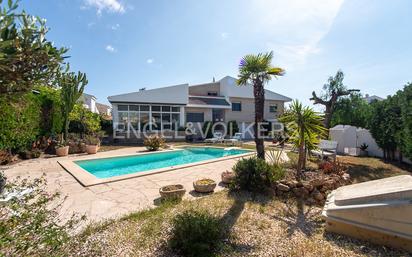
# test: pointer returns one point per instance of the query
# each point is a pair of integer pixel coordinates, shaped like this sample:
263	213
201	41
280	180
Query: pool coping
86	179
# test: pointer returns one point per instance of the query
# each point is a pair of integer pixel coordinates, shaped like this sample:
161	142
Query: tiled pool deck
113	199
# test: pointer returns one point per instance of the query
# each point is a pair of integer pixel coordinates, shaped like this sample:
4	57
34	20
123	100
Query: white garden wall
352	137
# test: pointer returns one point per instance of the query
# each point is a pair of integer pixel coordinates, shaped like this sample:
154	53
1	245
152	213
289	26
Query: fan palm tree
258	70
306	128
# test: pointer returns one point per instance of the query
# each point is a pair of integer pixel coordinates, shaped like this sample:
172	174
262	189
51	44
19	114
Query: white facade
89	102
197	103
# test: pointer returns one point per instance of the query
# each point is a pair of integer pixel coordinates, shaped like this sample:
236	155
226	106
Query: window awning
208	102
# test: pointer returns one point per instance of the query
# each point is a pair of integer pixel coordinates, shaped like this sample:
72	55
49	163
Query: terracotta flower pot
228	176
172	191
92	149
62	151
204	185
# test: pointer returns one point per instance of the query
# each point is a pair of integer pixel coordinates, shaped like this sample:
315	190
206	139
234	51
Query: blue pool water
116	166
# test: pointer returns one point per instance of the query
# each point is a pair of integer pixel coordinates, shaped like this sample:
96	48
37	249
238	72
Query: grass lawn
363	169
257	225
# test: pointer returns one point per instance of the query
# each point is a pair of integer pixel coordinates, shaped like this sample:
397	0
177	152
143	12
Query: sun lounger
327	148
236	139
217	138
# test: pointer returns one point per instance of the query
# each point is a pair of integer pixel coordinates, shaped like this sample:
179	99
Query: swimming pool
104	168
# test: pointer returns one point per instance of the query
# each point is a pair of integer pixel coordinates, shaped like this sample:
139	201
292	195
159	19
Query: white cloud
293	28
149	61
113	6
115	26
224	35
111	49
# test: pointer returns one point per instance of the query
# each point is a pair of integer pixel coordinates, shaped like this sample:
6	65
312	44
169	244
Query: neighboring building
104	109
216	101
371	98
89	101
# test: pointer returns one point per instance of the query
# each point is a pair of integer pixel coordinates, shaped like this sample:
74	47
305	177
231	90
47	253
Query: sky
125	45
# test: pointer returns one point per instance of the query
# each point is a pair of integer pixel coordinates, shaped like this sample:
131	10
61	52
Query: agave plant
274	156
306	129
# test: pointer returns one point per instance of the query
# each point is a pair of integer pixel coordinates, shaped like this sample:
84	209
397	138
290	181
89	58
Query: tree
386	125
258	70
26	57
391	124
72	87
83	121
405	101
352	110
330	95
305	129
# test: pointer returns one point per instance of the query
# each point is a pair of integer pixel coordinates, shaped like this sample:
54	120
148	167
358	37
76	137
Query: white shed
352	137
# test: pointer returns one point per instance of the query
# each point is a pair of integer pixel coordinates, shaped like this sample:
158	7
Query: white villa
171	107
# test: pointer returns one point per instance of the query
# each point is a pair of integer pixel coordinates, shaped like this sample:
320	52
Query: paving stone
117	198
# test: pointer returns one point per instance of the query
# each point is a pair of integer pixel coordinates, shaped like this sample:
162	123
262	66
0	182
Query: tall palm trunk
259	94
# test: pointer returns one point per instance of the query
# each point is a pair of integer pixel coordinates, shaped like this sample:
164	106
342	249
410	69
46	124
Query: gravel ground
258	225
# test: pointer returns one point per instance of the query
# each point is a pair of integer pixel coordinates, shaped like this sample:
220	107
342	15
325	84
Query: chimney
214	80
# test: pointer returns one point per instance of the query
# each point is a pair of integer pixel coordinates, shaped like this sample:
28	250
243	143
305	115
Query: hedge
25	117
19	121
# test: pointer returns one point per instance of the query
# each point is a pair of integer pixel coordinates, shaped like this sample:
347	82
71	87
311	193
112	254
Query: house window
237	107
123	107
139	117
123	120
155	108
144	108
134	108
195	117
273	108
212	93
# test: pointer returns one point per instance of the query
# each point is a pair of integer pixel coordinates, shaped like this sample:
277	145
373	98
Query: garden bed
258	226
314	186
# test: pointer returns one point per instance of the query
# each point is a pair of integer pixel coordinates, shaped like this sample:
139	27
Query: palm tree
306	128
258	70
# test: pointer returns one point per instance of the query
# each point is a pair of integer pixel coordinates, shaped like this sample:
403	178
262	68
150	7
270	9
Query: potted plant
204	185
228	176
62	149
172	192
2	182
363	150
92	144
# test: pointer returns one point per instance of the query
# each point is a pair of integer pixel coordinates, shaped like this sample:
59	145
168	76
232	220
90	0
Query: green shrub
255	174
153	143
30	226
51	115
106	125
232	127
19	122
83	121
28	116
196	233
